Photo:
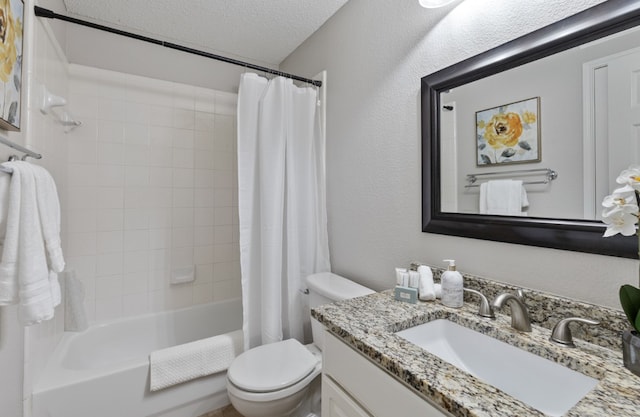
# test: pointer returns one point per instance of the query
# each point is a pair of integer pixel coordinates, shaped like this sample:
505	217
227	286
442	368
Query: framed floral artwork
509	134
11	31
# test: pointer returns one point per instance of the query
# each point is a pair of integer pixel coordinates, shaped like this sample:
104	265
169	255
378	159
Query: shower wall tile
204	254
83	151
204	236
108	308
150	189
110	130
108	264
109	219
109	242
81	175
137	113
135	283
84	221
224	290
203	293
134	304
109	175
81	244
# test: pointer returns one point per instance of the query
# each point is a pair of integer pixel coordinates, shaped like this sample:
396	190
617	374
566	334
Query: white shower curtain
282	208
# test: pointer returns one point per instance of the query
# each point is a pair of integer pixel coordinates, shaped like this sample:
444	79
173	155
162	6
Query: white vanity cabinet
337	403
352	386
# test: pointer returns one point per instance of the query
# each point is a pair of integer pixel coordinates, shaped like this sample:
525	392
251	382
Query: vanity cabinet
353	386
337	403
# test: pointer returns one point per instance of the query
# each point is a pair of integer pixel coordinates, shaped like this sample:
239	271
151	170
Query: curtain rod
42	12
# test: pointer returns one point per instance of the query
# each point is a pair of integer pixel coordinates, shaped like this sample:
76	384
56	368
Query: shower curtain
282	208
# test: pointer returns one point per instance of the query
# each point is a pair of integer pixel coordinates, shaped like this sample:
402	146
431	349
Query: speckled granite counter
368	324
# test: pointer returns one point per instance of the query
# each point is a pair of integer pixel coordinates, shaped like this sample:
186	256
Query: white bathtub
104	371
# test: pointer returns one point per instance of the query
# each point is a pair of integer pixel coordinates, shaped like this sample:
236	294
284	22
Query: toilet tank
327	287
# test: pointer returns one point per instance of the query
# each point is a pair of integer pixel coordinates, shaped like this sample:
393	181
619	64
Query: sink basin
540	383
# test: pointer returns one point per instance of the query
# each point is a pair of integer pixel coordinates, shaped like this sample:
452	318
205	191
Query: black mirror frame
576	235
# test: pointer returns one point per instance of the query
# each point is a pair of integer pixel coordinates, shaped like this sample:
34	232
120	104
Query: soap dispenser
452	292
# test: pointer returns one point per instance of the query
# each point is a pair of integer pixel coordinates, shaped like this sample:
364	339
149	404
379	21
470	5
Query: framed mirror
564	134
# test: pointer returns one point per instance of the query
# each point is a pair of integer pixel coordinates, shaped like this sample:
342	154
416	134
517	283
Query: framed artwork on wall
11	34
509	134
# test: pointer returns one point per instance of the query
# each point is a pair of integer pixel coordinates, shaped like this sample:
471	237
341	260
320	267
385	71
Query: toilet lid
271	367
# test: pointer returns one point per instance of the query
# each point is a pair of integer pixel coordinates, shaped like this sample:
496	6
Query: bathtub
104	371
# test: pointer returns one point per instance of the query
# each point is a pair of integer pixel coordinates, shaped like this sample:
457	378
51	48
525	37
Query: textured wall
375	53
90	47
276	28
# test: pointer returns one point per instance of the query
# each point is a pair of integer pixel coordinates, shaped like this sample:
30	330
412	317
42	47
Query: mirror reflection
575	114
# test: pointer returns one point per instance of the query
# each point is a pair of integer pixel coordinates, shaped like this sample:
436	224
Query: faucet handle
561	333
485	309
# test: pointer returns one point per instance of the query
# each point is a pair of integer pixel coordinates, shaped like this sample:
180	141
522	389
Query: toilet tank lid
336	287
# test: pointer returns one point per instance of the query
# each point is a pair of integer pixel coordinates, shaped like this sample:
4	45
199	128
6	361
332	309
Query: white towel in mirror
503	197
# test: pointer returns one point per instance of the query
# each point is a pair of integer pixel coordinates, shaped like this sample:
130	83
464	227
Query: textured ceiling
260	30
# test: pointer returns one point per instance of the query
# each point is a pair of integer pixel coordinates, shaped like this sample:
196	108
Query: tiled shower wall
152	187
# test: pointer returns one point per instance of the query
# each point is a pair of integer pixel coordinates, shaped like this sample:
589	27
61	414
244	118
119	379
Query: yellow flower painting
11	33
509	133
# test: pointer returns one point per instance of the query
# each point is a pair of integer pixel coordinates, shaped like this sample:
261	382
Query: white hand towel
5	182
35	291
426	290
49	209
24	273
8	289
9	262
503	197
193	360
483	198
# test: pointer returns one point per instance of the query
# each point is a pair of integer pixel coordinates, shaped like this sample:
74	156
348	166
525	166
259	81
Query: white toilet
279	379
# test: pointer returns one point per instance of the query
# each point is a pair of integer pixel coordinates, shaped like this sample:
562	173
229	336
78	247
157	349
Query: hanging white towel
34	291
503	197
49	211
188	361
10	240
5	182
25	274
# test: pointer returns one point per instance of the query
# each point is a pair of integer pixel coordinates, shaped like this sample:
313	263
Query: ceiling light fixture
432	4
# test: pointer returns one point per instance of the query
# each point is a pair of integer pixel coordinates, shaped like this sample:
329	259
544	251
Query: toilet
282	379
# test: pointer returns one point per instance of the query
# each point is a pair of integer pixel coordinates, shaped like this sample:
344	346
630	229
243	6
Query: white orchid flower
631	177
621	211
620	222
623	199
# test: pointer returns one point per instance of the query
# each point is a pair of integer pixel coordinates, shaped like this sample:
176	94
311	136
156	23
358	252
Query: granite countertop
368	324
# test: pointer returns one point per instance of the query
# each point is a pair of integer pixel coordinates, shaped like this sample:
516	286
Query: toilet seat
272	367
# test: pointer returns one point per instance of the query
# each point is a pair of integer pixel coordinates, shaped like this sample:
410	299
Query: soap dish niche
183	275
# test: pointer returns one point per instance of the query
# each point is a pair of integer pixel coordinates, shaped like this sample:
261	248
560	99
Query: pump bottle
452	286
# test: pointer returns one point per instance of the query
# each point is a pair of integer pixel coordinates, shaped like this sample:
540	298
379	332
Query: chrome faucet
484	309
561	333
519	313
